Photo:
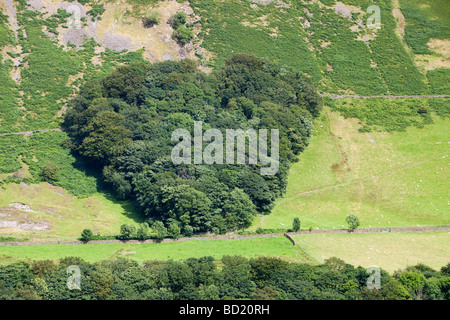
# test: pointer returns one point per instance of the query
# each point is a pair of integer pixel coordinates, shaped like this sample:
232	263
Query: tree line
123	123
233	277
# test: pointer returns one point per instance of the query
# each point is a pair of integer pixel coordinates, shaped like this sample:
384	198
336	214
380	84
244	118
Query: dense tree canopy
124	122
265	278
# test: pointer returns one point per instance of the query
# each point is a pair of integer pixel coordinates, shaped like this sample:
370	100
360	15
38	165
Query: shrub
152	19
50	172
445	270
12	239
296	224
86	235
159	229
267	231
174	230
178	20
183	34
188	231
96	11
353	221
127	231
142	232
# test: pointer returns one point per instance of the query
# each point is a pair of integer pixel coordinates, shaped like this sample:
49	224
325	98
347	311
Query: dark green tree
127	231
296	224
159	229
183	34
50	172
86	235
178	20
352	221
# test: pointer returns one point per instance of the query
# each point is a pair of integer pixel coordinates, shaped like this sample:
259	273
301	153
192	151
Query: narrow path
388	172
255	236
27	133
345	96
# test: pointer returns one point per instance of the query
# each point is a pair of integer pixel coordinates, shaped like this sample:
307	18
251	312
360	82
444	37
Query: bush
50	172
174	230
127	231
353	221
159	229
183	34
445	270
152	19
178	20
188	231
96	11
86	235
143	231
296	224
267	231
12	239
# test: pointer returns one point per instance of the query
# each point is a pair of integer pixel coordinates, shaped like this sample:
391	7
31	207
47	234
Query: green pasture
276	247
386	179
390	251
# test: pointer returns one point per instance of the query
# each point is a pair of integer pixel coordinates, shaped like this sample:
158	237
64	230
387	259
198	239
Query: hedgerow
391	115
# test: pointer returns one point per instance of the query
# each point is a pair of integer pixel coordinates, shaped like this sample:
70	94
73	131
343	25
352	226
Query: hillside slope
45	60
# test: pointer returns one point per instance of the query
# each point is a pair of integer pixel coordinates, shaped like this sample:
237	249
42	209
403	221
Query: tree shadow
130	208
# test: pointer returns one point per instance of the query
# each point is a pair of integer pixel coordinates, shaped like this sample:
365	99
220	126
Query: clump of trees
261	278
122	124
181	32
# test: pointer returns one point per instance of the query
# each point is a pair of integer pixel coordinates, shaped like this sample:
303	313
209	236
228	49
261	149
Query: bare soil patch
440	46
18	217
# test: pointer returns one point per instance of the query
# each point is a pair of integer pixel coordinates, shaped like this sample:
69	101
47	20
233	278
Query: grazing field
276	247
385	161
62	215
390	251
386	179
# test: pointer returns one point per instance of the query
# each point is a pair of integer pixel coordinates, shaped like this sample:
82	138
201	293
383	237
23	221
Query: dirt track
27	133
331	96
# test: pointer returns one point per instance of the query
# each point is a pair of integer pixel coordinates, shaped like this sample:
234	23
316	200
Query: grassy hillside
337	50
386	179
427	34
64	215
389	182
391	251
277	247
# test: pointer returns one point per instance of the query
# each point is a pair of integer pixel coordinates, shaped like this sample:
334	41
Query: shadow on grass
130	208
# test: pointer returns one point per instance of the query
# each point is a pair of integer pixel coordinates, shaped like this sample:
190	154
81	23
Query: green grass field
277	247
398	180
390	251
66	214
